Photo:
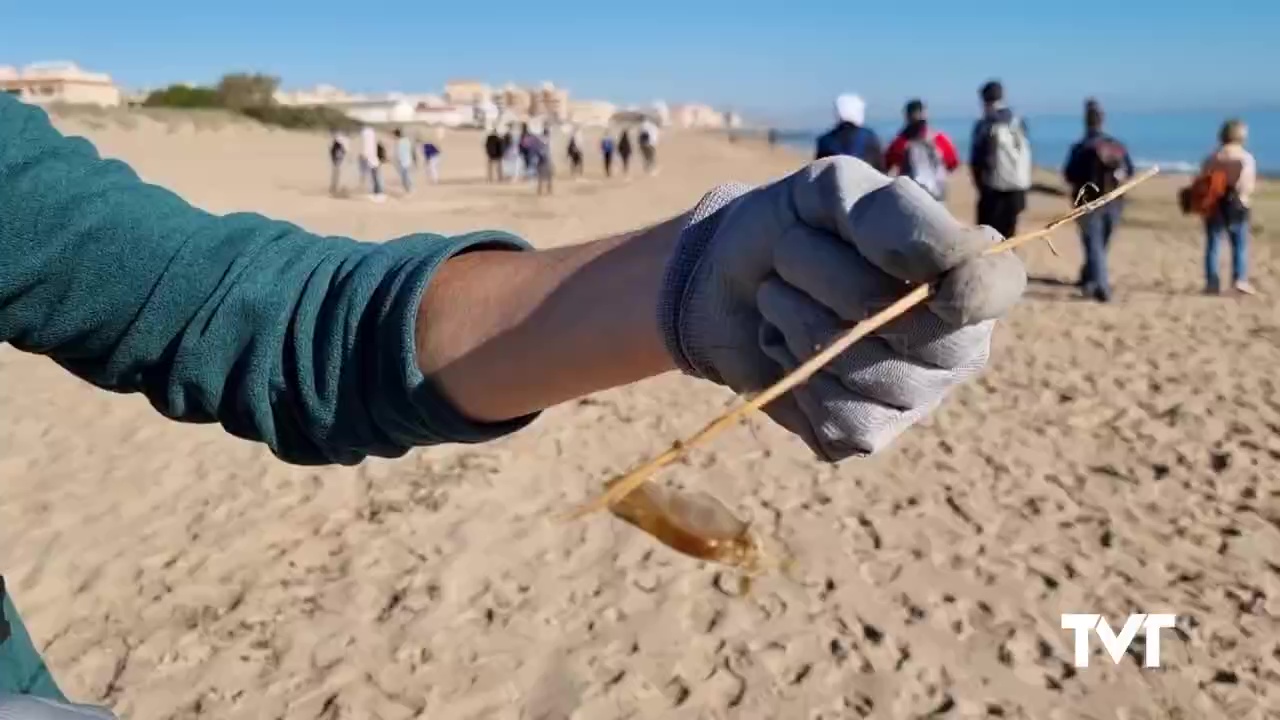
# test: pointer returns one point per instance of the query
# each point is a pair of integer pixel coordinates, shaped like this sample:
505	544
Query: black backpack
382	153
337	152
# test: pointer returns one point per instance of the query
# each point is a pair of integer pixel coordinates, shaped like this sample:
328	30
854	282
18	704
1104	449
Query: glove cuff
694	239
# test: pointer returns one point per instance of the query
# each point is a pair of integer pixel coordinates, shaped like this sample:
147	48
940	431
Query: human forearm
507	334
302	342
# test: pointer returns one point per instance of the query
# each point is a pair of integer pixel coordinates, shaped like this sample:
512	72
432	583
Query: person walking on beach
337	156
329	350
372	155
1096	165
406	159
1000	160
493	155
431	158
574	151
921	153
624	151
607	146
527	140
511	154
1232	168
648	140
849	137
541	159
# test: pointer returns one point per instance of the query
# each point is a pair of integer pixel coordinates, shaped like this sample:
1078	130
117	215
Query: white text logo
1115	645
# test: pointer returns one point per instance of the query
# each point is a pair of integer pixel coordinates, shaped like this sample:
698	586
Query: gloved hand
762	278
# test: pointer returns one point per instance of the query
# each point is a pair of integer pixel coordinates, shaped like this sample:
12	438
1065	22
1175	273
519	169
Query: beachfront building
512	100
467	92
59	82
326	95
697	116
591	113
550	101
547	100
409	110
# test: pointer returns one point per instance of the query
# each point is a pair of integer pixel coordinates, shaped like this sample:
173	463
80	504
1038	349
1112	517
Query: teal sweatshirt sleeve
302	342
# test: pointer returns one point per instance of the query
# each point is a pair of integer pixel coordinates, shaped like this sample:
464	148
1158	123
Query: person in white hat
850	136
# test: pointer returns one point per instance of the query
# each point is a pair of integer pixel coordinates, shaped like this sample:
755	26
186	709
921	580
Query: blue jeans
1238	233
406	178
1095	235
373	173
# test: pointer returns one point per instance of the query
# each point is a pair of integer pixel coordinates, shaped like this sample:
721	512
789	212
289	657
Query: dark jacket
980	159
493	146
853	140
1084	166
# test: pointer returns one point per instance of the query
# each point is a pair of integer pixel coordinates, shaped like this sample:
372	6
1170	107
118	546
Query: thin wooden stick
623	485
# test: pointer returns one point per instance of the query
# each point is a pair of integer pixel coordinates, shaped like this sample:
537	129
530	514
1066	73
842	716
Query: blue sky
779	60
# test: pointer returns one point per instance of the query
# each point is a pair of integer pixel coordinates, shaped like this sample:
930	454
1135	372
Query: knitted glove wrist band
690	249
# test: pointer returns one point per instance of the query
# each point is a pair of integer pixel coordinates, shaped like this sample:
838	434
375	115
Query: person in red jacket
922	154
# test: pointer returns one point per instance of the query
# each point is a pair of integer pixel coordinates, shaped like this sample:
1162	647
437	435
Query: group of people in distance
510	155
515	152
373	155
1000	161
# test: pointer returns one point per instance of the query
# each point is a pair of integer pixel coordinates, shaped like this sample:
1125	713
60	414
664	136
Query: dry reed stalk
623	485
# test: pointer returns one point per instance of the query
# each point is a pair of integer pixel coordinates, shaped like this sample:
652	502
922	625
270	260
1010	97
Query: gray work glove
762	278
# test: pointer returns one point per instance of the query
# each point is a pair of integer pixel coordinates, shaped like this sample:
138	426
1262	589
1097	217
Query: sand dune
1116	459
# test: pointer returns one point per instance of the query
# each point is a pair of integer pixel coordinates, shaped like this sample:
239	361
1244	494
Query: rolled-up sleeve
303	342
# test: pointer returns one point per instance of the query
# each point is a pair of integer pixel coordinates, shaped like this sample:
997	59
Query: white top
652	129
369	145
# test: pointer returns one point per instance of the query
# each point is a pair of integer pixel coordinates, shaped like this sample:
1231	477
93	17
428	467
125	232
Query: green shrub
183	96
301	117
239	91
251	95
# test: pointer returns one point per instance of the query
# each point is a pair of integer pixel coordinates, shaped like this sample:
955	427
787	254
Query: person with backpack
849	136
493	155
337	155
1222	195
431	158
607	146
1096	165
1000	160
649	145
526	159
922	153
540	163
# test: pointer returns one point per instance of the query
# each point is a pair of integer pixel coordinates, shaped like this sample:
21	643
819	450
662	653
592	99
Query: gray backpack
1010	156
923	163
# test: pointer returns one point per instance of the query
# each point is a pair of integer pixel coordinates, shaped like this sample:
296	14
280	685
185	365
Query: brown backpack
1205	194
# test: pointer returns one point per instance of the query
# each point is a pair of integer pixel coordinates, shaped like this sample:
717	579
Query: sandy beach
1114	458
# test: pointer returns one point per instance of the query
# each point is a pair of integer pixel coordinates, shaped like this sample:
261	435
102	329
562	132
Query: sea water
1176	141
